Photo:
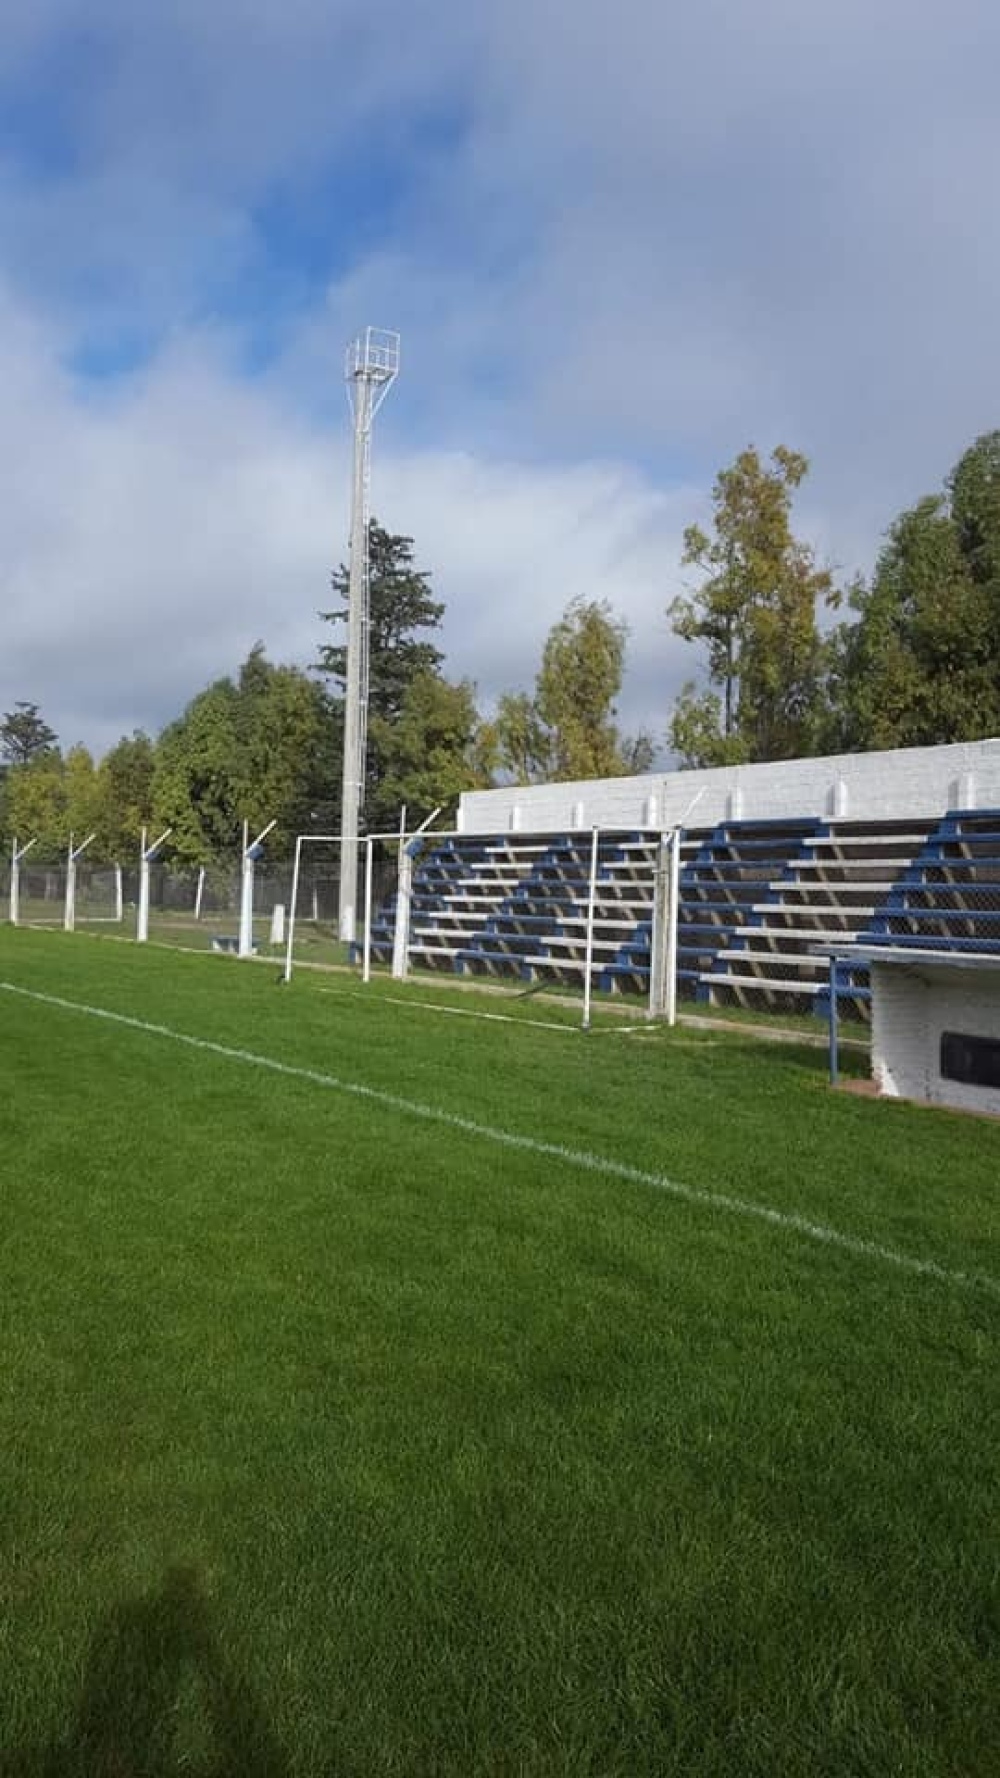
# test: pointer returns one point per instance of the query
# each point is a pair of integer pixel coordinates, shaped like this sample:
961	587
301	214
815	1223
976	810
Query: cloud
618	247
156	532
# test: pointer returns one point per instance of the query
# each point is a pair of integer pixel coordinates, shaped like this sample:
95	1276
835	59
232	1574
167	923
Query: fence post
15	878
660	927
673	906
591	897
146	857
404	893
290	929
69	912
401	930
366	972
251	853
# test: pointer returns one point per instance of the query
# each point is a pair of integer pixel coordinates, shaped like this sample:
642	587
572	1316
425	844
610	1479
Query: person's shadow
155	1676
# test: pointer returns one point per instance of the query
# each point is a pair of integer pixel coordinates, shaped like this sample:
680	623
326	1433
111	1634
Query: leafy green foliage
578	682
124	802
755	615
245	751
567	729
25	735
48	798
400	607
920	664
428	754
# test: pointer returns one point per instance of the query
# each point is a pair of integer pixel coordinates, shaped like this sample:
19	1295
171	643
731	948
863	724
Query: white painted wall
911	1007
906	782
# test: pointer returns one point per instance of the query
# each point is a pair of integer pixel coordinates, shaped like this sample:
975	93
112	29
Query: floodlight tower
370	369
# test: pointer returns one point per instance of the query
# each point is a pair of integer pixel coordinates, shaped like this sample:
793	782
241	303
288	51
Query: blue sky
619	244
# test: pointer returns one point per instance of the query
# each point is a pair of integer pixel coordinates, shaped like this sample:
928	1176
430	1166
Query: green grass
337	1440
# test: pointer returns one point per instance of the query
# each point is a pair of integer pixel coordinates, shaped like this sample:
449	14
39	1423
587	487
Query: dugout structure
935	1024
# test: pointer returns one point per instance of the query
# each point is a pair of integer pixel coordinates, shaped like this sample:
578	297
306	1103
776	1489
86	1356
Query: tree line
791	664
916	660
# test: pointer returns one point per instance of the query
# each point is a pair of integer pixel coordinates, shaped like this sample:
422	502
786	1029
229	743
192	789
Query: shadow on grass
158	1699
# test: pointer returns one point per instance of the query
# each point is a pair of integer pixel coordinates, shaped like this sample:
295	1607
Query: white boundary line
499	1018
458	1012
581	1159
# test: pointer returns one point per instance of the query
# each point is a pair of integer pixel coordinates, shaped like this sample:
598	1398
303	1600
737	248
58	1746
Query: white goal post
367	845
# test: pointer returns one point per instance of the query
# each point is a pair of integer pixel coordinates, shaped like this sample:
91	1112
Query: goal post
313	915
663	936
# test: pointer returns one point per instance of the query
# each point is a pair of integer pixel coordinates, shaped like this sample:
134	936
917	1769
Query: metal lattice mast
371	367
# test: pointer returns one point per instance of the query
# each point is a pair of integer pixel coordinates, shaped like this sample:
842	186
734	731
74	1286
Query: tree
567	729
400	605
920	662
429	753
80	789
517	740
35	803
24	735
580	677
245	750
755	612
974	489
285	763
196	781
124	802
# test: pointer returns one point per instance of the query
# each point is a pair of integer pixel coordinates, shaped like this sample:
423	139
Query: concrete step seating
826	894
949	897
540	931
756	899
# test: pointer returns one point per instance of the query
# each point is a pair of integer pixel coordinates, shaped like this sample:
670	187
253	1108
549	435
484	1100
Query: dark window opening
975	1061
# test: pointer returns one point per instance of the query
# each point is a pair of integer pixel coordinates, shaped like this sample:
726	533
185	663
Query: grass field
388	1390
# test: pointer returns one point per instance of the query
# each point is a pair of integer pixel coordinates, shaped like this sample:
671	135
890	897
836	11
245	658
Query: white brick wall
907	782
911	1007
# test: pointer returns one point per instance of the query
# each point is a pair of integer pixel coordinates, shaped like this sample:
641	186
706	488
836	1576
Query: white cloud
620	245
155	535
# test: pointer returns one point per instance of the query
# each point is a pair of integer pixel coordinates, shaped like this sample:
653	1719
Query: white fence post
146	857
401	931
366	972
15	878
290	928
673	908
404	893
251	853
661	925
69	913
591	898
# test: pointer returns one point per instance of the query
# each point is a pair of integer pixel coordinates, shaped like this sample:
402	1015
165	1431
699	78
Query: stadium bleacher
756	900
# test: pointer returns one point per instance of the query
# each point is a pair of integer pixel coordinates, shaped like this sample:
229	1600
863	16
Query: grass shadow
159	1699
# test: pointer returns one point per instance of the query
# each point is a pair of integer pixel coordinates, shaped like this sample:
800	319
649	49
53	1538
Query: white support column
366	972
661	925
146	856
251	853
16	856
401	930
666	915
69	913
404	893
591	900
199	893
673	909
291	912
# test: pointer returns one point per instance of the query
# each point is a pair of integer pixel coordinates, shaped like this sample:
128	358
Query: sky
620	243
